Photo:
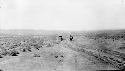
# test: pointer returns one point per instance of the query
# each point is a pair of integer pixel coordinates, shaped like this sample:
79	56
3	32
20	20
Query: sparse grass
48	47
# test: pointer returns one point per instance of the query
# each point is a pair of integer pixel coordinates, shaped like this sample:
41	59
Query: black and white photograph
62	35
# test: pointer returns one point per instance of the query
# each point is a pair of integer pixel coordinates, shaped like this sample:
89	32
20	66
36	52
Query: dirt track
81	54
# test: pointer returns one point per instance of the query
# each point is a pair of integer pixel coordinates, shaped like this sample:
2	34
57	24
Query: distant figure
61	38
71	37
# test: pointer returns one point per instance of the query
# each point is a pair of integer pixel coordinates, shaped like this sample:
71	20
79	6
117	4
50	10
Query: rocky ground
63	52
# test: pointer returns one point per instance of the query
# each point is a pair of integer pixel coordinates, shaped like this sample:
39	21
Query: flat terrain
62	51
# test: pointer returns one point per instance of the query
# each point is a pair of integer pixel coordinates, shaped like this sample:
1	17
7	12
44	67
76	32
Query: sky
74	15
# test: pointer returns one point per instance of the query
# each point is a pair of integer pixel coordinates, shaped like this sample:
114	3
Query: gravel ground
64	56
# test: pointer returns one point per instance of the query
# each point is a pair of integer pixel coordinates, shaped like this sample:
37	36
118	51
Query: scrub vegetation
63	52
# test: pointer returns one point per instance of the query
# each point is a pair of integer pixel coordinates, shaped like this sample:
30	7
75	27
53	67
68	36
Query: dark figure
71	37
61	38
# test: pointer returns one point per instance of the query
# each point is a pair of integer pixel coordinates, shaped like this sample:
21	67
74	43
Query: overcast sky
62	14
